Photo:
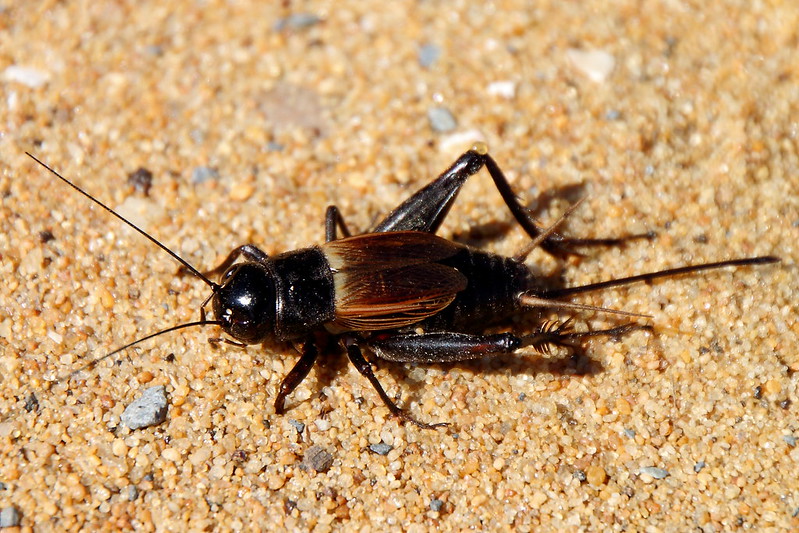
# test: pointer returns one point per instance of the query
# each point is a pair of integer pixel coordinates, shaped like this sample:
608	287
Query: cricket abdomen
491	295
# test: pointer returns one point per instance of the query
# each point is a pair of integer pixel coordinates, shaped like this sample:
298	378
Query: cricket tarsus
399	291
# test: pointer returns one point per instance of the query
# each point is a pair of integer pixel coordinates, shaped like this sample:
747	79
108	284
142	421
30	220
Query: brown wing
387	250
389	280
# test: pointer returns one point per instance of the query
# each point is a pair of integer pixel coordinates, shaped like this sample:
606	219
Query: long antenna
214	286
94	362
568	291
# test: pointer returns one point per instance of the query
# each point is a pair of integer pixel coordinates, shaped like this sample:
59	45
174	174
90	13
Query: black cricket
399	291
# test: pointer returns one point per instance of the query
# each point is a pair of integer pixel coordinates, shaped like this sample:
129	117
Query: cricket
401	293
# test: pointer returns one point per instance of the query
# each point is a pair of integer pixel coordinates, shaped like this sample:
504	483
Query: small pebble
203	174
132	492
630	433
596	65
299	426
458	139
241	192
154	50
436	504
699	466
9	517
318	458
428	54
790	440
505	89
381	448
655	472
441	120
296	21
149	410
275	482
31	402
28	76
596	475
171	454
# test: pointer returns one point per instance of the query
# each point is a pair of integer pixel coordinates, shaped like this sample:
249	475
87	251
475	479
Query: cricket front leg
297	374
249	251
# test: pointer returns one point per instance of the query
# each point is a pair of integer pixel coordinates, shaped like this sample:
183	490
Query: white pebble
595	64
505	89
27	76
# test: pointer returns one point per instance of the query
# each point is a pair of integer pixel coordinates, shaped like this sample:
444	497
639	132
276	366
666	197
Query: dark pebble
141	179
299	426
31	402
381	448
318	458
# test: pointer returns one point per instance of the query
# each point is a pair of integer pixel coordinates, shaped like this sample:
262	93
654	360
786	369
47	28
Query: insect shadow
479	233
399	291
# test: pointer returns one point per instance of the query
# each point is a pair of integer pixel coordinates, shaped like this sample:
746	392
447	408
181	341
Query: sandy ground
668	116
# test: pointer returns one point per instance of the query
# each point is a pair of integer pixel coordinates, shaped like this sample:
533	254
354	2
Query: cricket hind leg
426	209
335	220
451	347
555	243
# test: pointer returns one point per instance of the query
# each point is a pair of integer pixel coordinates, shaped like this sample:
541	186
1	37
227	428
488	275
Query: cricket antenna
94	362
214	287
568	291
